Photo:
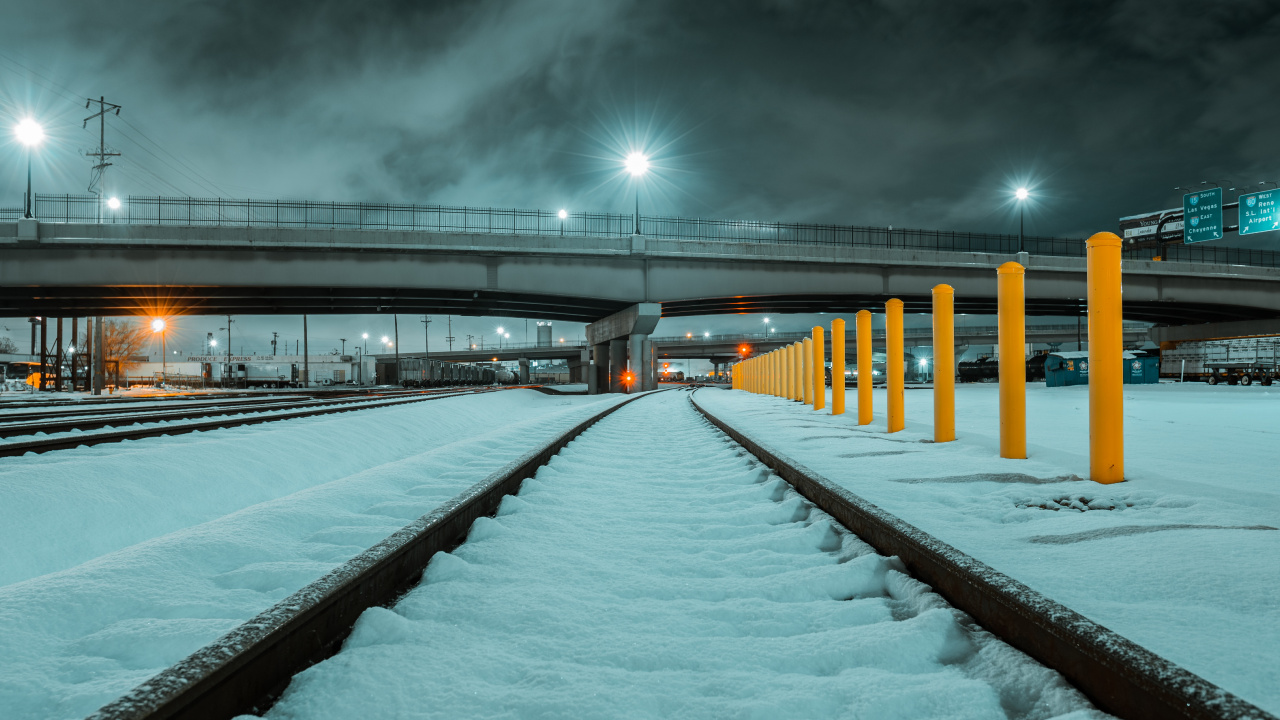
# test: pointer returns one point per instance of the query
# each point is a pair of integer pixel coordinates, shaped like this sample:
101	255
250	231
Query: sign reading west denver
1260	212
1202	216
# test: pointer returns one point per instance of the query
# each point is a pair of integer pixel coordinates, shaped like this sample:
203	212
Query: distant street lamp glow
29	132
1021	193
706	334
213	343
499	331
114	203
157	325
563	213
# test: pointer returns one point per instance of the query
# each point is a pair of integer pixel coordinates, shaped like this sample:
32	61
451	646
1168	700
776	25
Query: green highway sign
1260	212
1202	216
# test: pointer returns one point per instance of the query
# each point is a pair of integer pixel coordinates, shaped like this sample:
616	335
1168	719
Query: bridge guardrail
186	211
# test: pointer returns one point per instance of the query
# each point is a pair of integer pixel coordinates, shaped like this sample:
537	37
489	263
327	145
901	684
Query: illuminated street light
157	325
563	213
1021	194
29	133
637	163
114	203
706	334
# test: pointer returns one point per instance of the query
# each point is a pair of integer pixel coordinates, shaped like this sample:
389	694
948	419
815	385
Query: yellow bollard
798	370
806	359
895	369
944	364
791	372
865	377
775	374
1011	322
837	366
819	369
1106	366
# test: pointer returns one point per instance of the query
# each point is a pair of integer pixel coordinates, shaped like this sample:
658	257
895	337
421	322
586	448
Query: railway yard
691	552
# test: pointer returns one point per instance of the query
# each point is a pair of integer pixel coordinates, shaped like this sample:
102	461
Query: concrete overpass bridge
169	258
185	256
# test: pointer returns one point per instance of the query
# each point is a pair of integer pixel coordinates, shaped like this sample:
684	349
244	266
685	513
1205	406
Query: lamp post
1021	193
563	215
637	163
500	334
29	133
157	325
365	337
766	328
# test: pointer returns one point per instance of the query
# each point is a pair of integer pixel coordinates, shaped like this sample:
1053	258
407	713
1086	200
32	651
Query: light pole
766	328
637	163
563	215
157	325
365	337
344	345
500	333
1021	193
29	133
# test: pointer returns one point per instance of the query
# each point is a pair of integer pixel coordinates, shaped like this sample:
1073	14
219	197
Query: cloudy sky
912	114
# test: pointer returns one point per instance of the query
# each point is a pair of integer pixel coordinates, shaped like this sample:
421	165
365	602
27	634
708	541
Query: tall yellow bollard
865	371
1106	364
819	369
1011	322
798	370
895	368
837	366
806	359
944	364
775	374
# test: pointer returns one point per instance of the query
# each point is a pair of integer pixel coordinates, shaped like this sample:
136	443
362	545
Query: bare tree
122	341
8	346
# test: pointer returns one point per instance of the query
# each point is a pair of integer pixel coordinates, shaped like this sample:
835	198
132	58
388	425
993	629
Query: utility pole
95	180
426	336
306	352
275	335
344	345
448	338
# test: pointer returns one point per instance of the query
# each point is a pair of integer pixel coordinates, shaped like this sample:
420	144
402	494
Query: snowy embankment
1181	558
122	559
654	570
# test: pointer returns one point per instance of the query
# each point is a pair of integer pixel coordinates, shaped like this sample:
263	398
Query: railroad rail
1118	675
64	442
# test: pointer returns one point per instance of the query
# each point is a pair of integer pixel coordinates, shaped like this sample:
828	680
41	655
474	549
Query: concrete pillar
598	380
579	367
524	371
617	365
651	370
636	359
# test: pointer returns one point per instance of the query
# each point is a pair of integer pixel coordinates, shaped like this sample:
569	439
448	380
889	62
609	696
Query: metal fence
185	211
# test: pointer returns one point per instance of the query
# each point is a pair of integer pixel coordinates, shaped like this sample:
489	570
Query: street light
365	337
637	163
157	325
1022	194
564	214
114	203
29	133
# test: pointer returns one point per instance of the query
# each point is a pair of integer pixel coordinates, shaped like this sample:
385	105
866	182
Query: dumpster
1072	368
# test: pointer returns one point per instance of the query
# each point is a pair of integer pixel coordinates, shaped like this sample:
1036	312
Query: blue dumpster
1072	368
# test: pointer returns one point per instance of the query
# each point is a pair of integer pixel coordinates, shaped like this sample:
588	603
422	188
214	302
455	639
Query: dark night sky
912	114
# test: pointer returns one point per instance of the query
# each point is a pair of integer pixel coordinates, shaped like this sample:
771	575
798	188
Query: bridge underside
54	301
139	300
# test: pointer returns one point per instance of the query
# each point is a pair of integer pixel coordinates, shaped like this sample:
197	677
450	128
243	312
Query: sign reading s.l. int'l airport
1260	212
1202	216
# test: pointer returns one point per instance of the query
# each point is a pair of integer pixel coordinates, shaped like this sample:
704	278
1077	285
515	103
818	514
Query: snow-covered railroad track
652	569
157	427
70	419
1118	675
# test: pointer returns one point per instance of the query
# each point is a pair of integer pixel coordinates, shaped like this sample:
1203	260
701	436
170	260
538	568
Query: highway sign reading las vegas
1260	212
1202	216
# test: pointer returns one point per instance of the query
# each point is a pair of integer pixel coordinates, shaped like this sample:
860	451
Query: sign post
1260	212
1202	216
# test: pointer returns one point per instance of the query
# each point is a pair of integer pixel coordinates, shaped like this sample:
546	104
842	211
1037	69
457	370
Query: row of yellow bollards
798	371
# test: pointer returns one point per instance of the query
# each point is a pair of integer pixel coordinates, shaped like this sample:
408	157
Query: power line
99	170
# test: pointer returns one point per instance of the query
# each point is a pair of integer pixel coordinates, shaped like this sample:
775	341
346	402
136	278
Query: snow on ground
1181	558
655	570
122	559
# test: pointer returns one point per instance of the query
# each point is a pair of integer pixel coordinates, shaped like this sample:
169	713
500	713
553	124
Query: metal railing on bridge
196	212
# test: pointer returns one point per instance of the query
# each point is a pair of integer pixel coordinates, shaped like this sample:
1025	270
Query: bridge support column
617	365
638	358
524	371
579	368
598	376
